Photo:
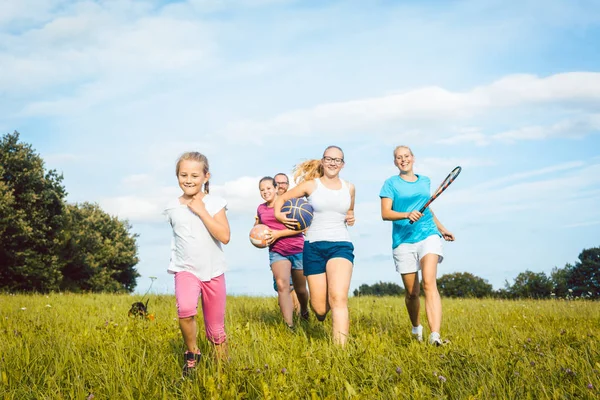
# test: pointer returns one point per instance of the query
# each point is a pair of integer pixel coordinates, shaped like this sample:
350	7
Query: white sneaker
417	332
434	339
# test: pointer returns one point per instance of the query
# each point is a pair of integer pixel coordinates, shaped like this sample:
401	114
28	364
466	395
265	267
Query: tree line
47	244
578	280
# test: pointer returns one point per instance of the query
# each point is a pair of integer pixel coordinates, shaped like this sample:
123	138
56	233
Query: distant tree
560	280
464	284
530	284
100	252
32	216
379	289
584	276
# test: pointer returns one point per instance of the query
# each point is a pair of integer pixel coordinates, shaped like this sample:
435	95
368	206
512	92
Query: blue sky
111	92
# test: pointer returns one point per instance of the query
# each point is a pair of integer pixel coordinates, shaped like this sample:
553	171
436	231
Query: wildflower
528	340
284	370
48	305
23	308
590	386
91	396
266	366
570	290
398	370
532	364
442	378
258	370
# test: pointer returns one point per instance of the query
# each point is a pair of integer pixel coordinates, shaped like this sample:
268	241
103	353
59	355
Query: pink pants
187	290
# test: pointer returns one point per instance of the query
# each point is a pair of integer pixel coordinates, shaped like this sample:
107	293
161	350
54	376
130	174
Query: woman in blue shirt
416	246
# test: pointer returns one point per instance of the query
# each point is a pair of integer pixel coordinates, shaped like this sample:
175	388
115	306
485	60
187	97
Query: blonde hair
311	169
403	147
194	156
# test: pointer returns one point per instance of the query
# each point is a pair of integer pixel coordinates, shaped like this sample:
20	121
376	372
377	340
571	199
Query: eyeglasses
282	183
331	160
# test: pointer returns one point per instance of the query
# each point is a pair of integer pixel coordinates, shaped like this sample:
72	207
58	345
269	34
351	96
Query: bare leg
411	297
281	273
300	290
317	285
433	302
189	332
339	273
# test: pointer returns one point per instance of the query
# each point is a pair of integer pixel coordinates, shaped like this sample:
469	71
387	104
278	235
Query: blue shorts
295	259
316	255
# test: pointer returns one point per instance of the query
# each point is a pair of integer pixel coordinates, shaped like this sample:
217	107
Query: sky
110	93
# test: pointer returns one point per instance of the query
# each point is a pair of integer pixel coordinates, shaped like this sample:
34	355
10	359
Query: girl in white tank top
329	217
328	254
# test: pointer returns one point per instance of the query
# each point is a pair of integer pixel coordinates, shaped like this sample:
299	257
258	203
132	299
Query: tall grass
85	346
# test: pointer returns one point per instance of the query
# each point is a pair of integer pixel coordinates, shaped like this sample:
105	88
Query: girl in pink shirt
285	254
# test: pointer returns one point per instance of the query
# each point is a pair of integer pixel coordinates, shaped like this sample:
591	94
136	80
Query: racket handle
421	211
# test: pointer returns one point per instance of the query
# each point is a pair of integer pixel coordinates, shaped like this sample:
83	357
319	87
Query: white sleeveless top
330	208
193	248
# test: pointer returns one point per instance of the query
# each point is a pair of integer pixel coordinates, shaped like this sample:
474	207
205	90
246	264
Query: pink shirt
286	246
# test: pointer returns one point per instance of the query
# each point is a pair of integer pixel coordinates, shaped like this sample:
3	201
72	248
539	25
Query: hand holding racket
449	179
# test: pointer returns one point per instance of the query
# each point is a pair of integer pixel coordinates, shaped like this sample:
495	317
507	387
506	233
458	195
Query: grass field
85	346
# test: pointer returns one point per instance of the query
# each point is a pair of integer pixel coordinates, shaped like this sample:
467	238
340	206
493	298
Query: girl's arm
443	231
350	213
302	190
387	214
275	234
218	226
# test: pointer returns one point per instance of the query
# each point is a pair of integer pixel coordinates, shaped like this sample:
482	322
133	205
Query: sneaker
434	339
417	332
189	362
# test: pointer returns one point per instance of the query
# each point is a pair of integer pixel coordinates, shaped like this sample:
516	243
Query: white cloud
429	109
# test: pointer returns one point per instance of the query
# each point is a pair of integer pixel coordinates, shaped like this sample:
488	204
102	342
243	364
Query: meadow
68	346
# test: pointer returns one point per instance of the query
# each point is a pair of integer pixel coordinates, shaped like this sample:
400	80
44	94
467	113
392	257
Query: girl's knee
411	296
216	335
338	300
430	287
187	310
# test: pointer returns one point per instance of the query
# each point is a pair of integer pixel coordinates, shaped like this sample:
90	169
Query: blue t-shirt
406	197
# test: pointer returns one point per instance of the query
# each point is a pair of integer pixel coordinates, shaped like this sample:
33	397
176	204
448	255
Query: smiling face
191	177
404	159
282	183
267	190
332	161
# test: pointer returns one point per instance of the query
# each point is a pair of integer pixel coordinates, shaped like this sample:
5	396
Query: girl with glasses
328	250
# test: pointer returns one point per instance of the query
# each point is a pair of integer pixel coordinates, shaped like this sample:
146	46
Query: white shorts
407	256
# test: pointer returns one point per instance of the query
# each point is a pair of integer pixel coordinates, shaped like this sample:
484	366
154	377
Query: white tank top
330	208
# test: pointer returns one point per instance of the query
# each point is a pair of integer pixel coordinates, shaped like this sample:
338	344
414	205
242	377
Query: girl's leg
317	285
213	308
300	290
187	290
339	273
411	297
433	302
281	272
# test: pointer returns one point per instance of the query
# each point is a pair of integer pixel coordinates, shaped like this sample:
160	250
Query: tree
379	289
530	284
560	280
584	276
100	253
464	284
32	214
46	244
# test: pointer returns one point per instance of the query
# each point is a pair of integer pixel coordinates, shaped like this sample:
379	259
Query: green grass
70	346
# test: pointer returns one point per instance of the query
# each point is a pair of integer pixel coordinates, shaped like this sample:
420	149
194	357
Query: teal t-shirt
406	197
